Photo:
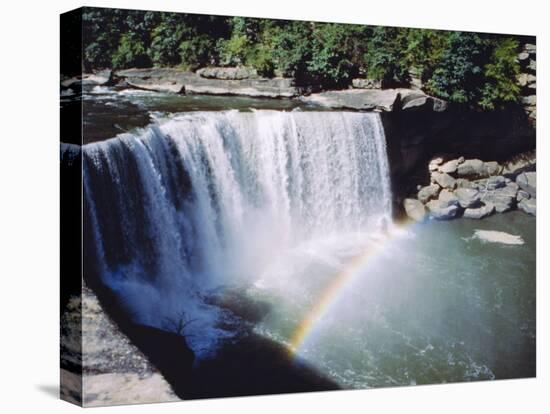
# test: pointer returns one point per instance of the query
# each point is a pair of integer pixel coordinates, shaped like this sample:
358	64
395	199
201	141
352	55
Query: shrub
131	52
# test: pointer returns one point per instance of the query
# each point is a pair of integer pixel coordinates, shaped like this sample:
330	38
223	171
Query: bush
197	52
386	58
292	50
459	74
501	86
131	52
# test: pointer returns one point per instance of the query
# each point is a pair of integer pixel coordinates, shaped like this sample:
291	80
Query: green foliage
501	73
386	58
234	51
131	52
196	52
292	50
459	74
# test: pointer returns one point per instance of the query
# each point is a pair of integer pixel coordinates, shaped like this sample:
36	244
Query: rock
464	183
470	168
414	209
475	168
419	100
529	100
441	210
495	182
358	99
529	205
443	179
365	83
504	198
174	80
230	73
520	163
527	181
434	164
448	198
492	168
460	160
523	56
530	48
467	197
479	212
522	195
526	78
428	193
449	167
532	65
493	236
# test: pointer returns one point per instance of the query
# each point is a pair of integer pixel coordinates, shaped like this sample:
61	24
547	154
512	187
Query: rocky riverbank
114	371
472	188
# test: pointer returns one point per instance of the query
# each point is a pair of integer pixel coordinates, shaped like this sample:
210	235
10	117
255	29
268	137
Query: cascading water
207	199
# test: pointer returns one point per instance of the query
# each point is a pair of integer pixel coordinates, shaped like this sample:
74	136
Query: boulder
470	168
492	168
468	197
429	192
440	210
527	181
523	162
530	48
414	209
384	100
434	163
449	167
523	56
522	195
479	212
475	168
529	100
503	198
443	179
448	198
529	205
525	79
464	183
495	182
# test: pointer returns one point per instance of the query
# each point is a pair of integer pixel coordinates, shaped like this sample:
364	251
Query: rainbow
330	295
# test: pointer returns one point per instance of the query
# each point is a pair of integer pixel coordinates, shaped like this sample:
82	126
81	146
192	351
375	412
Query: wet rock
441	210
444	180
523	162
527	181
414	209
468	197
428	193
529	205
479	212
464	183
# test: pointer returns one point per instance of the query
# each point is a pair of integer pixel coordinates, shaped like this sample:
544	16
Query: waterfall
206	199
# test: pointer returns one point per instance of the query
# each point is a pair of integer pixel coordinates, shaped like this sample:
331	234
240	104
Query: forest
475	69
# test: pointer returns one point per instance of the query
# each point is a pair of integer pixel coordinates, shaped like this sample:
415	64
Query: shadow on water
248	365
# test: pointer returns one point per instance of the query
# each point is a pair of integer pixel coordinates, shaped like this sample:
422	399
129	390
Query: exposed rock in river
415	209
498	237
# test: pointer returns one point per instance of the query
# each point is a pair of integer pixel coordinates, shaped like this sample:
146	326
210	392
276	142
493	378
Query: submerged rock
493	236
414	209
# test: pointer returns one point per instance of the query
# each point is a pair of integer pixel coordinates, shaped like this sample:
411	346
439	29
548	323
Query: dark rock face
416	136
